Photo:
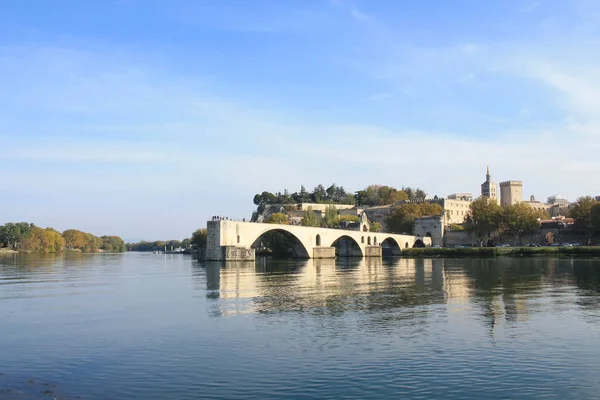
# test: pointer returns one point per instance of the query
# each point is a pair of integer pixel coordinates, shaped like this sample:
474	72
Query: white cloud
470	48
580	87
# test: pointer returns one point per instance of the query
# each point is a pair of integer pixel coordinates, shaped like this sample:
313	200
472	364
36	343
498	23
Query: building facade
461	196
489	188
559	200
537	205
455	210
511	192
431	226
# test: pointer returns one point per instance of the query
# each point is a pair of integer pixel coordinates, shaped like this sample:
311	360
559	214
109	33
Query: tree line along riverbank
29	238
502	251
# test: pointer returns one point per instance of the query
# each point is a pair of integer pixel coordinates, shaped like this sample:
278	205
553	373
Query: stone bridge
232	240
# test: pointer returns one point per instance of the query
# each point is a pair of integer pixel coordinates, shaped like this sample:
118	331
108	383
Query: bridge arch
347	246
390	247
280	242
419	243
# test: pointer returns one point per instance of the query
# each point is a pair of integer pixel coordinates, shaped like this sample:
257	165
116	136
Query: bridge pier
323	252
372	251
235	253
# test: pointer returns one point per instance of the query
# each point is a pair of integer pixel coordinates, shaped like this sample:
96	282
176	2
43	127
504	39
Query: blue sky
145	118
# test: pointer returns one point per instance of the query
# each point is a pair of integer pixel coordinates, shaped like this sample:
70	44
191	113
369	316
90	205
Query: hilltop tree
319	194
331	219
264	198
310	218
377	195
375	227
402	218
278	218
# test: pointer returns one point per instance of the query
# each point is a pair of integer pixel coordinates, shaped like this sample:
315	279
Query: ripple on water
147	327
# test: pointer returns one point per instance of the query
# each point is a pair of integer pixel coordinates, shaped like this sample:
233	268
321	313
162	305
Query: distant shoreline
7	251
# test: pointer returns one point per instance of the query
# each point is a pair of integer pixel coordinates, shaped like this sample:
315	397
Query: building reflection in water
501	290
324	286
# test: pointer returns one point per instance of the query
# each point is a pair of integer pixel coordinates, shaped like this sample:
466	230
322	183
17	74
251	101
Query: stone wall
213	241
453	238
458	238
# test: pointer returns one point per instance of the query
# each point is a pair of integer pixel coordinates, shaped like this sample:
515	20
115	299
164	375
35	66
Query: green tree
310	218
485	217
43	241
402	218
585	216
264	198
331	218
199	237
375	227
349	218
519	218
33	241
112	244
278	218
53	241
186	243
92	243
12	233
173	244
319	194
75	239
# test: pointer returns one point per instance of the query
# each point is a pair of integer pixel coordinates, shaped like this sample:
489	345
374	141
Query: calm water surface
143	326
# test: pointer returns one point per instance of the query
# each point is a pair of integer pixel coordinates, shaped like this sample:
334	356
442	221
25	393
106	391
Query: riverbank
7	251
501	251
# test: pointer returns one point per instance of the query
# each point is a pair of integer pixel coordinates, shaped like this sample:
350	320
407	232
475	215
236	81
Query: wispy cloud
358	14
380	96
529	6
125	132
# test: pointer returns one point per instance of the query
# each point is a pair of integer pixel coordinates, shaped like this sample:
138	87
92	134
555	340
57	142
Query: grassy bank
501	251
7	251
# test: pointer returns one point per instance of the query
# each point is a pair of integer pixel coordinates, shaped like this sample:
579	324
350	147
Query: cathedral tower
489	188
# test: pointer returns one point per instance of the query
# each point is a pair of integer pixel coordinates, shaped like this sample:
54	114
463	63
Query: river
145	326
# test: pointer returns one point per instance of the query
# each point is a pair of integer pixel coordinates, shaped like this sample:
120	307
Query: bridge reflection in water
394	288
